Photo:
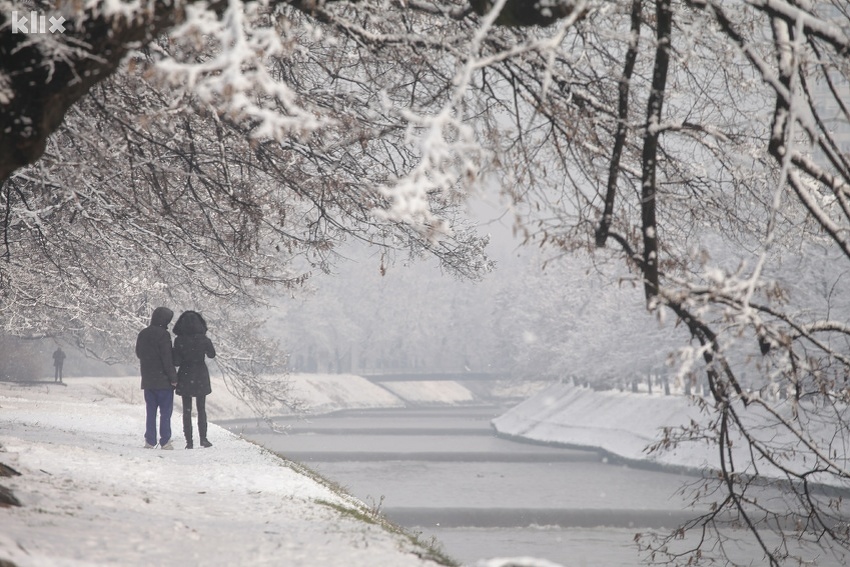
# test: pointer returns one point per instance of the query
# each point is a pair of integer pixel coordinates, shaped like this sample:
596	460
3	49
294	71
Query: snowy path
92	496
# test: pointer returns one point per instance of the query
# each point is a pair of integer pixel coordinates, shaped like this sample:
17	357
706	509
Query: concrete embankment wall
624	424
620	424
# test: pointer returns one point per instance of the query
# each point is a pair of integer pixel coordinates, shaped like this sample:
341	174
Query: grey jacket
153	347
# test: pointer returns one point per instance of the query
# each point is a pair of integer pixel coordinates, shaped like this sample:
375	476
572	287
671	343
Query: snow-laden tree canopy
54	52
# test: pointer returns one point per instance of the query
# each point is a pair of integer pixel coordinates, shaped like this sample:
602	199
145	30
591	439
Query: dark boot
202	423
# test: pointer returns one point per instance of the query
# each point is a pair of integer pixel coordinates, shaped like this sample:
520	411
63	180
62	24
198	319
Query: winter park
502	283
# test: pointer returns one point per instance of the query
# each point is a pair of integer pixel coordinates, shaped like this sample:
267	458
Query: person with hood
193	380
159	378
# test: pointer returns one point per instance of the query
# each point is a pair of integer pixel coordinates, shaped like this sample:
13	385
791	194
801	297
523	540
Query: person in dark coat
58	361
153	347
193	379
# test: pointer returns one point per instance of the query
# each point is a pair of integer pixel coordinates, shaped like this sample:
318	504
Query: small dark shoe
205	443
189	445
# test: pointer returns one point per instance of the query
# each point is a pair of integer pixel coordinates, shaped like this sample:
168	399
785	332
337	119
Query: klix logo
32	22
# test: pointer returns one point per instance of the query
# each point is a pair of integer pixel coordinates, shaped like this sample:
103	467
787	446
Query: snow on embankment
331	392
443	392
319	393
621	424
624	424
324	393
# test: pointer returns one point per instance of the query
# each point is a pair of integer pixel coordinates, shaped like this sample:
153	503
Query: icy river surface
443	472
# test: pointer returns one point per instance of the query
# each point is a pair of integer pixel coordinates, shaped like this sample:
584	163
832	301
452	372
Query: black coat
153	347
58	357
190	348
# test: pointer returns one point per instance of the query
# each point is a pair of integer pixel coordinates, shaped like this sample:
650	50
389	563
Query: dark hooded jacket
190	348
153	347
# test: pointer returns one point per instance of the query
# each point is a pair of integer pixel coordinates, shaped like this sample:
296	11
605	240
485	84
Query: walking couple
158	359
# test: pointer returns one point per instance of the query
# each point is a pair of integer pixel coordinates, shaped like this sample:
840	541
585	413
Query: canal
443	472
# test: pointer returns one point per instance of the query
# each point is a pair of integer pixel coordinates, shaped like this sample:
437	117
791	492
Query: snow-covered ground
91	495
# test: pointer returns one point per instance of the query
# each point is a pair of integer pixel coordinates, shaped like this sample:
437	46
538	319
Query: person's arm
210	349
176	356
165	353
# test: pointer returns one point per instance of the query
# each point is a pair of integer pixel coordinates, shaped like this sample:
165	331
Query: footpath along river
444	473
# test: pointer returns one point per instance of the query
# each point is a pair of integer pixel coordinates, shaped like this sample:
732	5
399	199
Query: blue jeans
164	401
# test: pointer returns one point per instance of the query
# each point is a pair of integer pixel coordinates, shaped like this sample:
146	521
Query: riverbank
623	425
89	494
619	425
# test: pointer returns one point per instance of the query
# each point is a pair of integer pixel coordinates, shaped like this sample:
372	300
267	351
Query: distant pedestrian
153	347
191	346
58	361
